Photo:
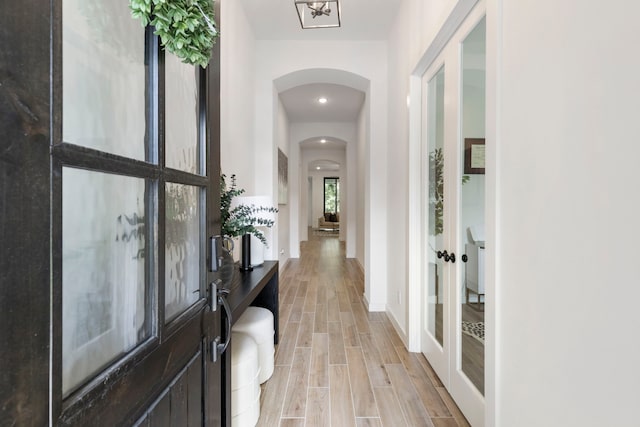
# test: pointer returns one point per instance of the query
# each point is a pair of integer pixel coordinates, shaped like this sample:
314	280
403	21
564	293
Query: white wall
361	179
424	20
397	161
237	94
567	240
563	223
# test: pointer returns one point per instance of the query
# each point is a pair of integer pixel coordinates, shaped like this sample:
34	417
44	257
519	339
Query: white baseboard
283	265
373	307
402	334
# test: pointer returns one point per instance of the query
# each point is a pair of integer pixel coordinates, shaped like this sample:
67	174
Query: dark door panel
165	375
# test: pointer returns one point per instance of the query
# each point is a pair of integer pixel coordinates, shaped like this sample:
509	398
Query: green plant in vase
241	219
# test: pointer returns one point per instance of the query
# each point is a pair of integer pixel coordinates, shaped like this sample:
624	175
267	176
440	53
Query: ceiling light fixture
318	168
318	14
322	141
322	100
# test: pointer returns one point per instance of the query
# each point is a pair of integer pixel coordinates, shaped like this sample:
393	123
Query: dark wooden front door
109	192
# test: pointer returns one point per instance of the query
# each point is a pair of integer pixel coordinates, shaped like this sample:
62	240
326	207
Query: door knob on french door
452	257
443	254
465	258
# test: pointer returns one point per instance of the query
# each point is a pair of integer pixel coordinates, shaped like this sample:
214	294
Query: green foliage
436	191
186	27
331	201
241	219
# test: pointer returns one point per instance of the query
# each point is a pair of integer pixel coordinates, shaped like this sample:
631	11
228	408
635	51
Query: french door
453	105
109	201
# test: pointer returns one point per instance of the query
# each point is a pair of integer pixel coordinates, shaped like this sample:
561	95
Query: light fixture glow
323	141
317	167
322	100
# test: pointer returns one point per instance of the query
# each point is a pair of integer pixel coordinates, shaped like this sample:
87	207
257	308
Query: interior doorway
451	207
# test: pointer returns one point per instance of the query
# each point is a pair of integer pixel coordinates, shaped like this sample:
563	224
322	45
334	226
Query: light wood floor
337	364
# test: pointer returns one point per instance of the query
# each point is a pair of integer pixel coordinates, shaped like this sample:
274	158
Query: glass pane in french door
104	313
182	248
435	208
104	77
472	195
181	104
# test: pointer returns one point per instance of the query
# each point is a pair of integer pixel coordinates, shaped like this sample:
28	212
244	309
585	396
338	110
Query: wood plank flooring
339	365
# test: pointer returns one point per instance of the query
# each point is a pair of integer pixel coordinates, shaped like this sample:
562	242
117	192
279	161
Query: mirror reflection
472	205
435	145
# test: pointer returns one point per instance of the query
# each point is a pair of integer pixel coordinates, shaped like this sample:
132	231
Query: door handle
449	257
217	348
218	244
213	294
443	254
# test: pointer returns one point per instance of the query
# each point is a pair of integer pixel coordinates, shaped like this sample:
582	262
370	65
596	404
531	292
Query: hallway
336	364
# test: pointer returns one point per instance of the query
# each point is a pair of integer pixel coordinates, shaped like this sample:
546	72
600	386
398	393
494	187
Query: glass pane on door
103	77
472	195
182	248
435	208
181	104
103	264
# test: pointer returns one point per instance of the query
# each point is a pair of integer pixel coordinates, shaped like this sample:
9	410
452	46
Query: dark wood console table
258	288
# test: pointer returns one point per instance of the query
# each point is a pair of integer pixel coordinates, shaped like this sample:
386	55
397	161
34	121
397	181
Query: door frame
31	157
429	344
462	14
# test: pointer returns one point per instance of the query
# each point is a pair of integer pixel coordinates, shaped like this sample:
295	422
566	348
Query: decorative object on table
245	263
186	27
261	216
242	215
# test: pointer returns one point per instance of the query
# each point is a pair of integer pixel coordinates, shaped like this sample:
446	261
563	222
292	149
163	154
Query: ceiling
323	143
301	103
323	166
361	20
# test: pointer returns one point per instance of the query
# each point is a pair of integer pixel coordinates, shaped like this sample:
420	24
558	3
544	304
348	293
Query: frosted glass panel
103	77
181	105
103	264
182	248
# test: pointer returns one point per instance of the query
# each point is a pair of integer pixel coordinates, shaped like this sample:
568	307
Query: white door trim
416	256
416	229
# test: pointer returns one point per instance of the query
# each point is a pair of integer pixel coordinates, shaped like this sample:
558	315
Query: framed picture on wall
474	156
283	178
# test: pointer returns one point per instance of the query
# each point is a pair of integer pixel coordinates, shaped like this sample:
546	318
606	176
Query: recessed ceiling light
317	167
322	100
323	141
